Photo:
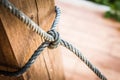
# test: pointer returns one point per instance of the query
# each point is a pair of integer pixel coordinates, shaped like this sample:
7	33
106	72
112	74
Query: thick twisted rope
25	19
28	64
80	55
52	40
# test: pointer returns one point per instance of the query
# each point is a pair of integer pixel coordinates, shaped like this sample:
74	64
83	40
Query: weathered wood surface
17	43
96	37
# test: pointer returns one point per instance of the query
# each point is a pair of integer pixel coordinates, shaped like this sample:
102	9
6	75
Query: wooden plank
18	43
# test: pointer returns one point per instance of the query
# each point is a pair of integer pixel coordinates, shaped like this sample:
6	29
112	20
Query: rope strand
26	20
28	64
80	55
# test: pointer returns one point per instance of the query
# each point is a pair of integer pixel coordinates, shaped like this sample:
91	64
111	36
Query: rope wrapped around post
52	40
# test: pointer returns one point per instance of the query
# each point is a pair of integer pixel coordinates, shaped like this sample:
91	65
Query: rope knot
56	36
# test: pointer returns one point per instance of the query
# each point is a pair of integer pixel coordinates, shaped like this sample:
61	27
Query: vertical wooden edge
6	49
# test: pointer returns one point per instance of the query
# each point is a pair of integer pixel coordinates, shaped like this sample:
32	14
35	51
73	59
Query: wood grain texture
17	42
96	37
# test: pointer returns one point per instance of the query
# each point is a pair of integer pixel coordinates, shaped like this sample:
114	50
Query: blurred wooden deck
96	37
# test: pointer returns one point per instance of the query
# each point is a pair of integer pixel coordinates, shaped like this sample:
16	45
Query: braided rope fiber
80	55
26	20
28	64
52	40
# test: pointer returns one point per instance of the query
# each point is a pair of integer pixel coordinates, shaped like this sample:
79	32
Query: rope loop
56	36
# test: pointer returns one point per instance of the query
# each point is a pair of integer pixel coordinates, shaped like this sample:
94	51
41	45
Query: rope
26	20
28	64
52	40
80	55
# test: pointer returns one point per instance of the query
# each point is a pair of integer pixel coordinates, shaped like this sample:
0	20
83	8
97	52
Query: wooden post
17	43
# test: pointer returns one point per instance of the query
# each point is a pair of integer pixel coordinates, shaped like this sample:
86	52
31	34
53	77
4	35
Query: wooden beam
17	42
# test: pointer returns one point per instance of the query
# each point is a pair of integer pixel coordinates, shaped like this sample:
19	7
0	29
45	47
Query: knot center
56	36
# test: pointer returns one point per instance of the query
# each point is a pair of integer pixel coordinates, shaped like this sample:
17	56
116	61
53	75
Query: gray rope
52	40
80	55
28	64
58	12
25	19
